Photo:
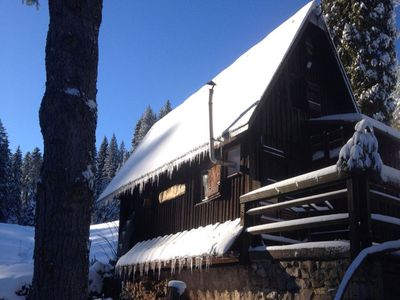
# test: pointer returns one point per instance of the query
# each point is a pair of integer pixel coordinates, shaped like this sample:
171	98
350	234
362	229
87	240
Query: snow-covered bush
360	153
97	272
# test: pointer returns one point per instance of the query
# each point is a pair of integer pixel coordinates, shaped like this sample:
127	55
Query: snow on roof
355	117
182	135
201	243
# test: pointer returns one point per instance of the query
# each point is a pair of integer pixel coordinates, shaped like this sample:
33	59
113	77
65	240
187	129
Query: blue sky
150	51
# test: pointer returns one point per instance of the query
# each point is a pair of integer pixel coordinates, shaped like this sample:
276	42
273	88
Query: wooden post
365	212
244	257
352	207
326	146
359	213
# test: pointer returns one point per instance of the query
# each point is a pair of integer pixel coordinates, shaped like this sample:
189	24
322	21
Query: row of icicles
156	266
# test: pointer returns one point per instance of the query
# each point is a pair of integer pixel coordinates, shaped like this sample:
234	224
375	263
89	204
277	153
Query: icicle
208	262
153	266
119	272
130	271
181	262
159	265
141	266
134	270
189	263
199	262
146	268
124	271
173	262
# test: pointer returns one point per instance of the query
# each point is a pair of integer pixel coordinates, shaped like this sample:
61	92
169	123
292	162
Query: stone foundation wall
268	279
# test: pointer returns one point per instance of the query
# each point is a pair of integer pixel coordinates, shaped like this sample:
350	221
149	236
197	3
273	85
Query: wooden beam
298	202
299	224
322	176
354	217
390	199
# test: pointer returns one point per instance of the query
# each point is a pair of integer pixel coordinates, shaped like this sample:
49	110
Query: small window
147	202
210	181
314	99
233	155
172	193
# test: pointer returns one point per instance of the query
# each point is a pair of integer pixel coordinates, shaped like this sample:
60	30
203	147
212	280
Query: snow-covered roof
188	248
356	117
182	135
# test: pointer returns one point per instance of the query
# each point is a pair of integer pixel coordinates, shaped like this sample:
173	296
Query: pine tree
15	187
364	33
5	171
164	110
396	97
112	159
100	162
143	126
26	179
135	137
123	154
30	170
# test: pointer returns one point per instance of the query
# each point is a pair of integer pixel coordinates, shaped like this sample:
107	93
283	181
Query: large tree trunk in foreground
68	117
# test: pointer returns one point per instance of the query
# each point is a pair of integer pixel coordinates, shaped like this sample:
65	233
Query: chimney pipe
213	159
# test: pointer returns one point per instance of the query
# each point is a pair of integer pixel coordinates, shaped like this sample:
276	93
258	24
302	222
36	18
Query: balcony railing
325	205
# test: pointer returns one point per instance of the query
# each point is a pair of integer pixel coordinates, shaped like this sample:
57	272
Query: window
233	155
314	99
172	193
210	181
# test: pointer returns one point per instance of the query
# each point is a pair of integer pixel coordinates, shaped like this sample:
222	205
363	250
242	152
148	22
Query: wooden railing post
352	207
359	213
365	212
246	238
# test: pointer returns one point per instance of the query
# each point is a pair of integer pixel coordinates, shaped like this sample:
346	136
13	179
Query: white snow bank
16	253
182	247
104	240
384	247
182	135
16	263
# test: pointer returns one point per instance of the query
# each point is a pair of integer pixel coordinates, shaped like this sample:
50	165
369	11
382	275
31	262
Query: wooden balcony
323	206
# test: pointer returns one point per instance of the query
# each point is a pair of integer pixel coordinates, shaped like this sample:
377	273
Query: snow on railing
384	247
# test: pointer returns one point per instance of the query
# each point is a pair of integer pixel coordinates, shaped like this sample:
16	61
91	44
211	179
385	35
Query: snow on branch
360	153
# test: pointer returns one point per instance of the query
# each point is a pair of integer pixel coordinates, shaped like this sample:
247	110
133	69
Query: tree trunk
68	117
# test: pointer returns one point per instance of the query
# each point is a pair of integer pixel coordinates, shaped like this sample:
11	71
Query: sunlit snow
182	135
16	253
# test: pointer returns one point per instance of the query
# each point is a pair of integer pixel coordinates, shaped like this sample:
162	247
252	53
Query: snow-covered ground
16	252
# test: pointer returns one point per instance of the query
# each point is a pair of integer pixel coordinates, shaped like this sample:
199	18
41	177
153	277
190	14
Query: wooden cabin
283	109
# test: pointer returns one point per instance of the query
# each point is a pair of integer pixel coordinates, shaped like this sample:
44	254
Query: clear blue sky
150	51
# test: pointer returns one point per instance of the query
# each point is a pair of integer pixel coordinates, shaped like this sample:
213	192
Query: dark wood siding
279	144
309	84
182	213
